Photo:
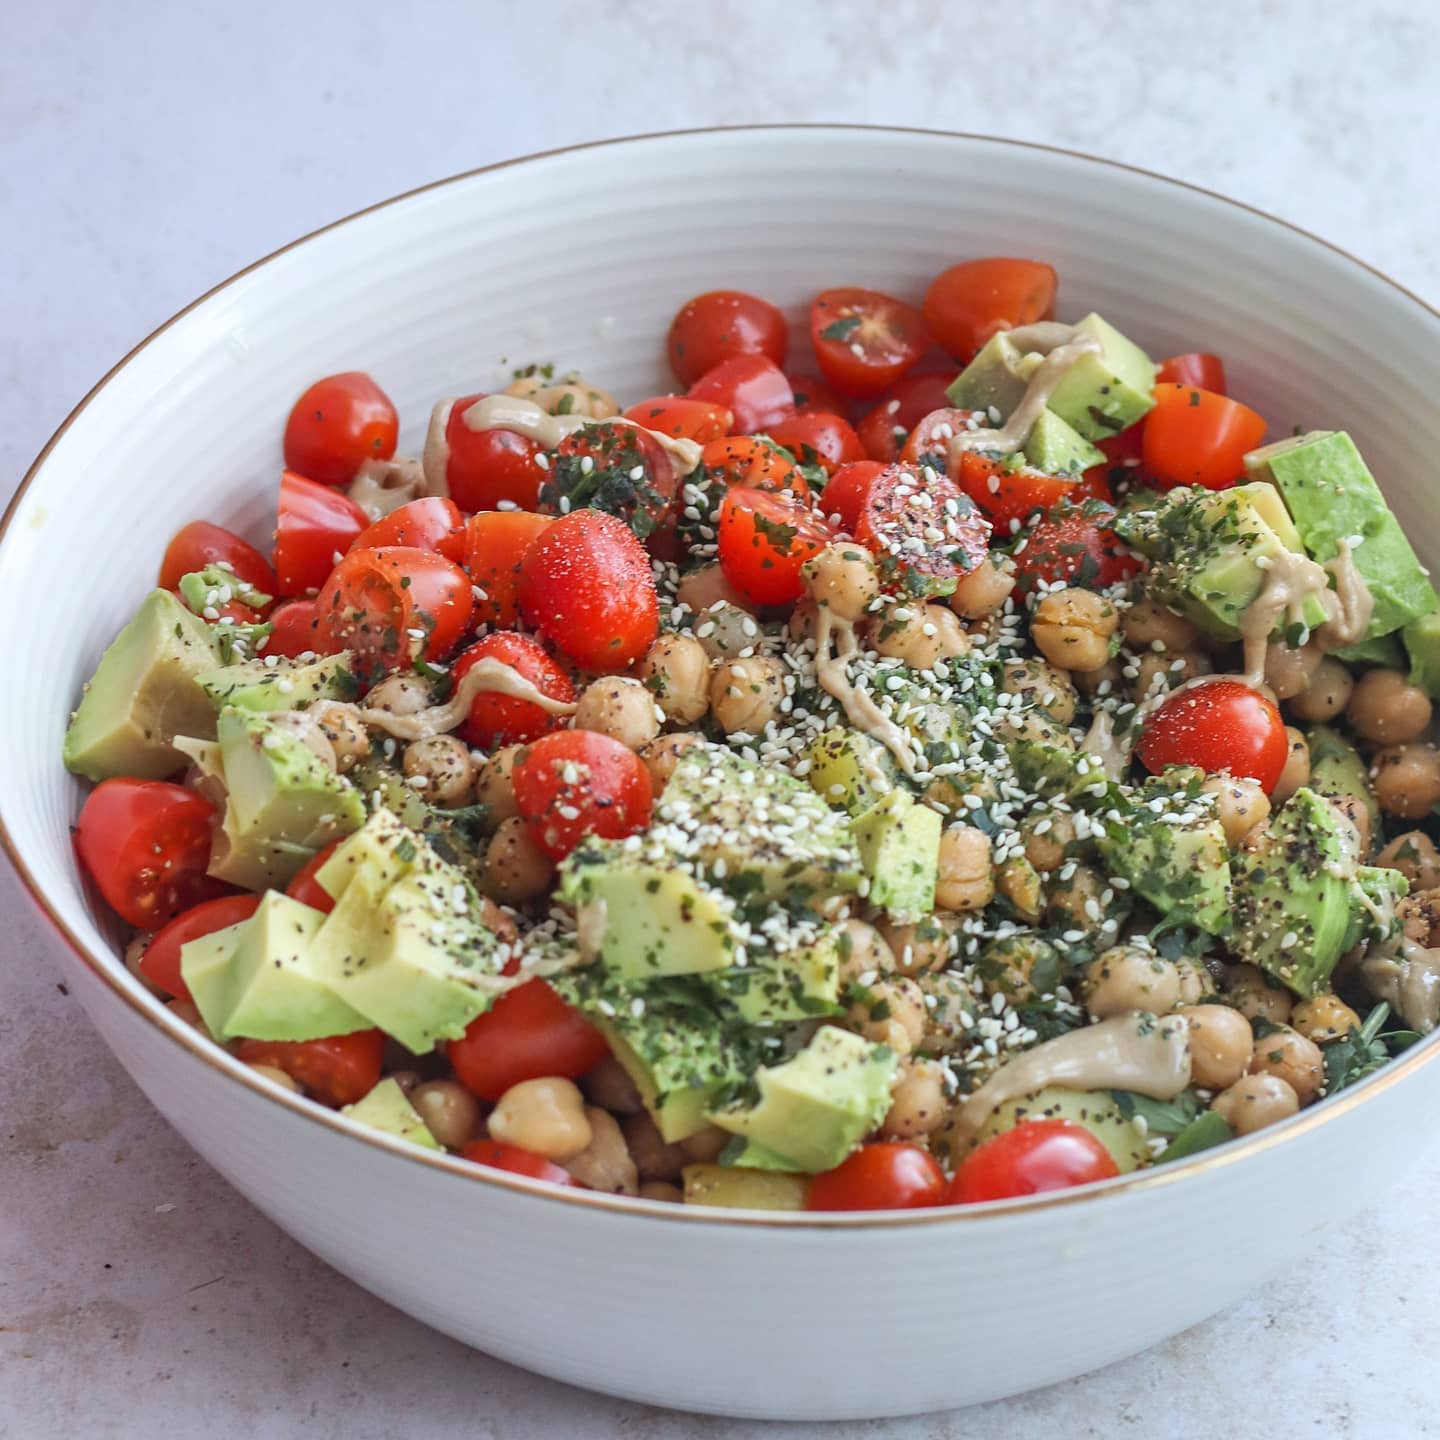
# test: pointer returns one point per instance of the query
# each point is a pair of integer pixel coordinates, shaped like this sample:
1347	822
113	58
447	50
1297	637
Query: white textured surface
144	169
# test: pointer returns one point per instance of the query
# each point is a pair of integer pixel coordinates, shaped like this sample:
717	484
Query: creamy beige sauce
487	676
1408	976
435	457
1106	746
832	673
1128	1052
382	486
591	919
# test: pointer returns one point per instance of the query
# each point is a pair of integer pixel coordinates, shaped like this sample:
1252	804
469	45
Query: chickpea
495	785
891	1012
1240	805
1324	1018
964	881
948	793
1297	766
1040	684
1290	668
705	1145
843	578
1388	709
1074	903
1419	914
1018	881
1293	1058
610	1087
277	1076
621	708
922	636
1255	1101
1015	725
726	631
1354	809
984	590
1128	977
1251	991
703	588
745	695
450	1112
497	920
1196	983
516	868
571	396
1221	1044
342	727
605	1163
407	1080
804	621
661	1190
1414	855
654	1159
1048	840
1155	673
1020	967
864	953
663	755
1107	680
676	668
399	695
1327	694
917	1101
441	769
1147	622
548	1116
308	732
1072	628
1407	780
928	945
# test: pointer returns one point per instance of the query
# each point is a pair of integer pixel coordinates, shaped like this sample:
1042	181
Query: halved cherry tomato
841	498
495	544
338	1070
391	604
293	631
1074	545
422	523
719	325
578	783
496	720
885	1175
198	544
929	441
753	389
586	586
1010	496
1195	437
528	1032
160	964
618	469
864	340
517	1160
968	303
817	438
146	844
683	418
306	888
813	395
1035	1156
338	424
317	525
764	539
1197	368
746	460
485	469
902	511
884	430
1221	725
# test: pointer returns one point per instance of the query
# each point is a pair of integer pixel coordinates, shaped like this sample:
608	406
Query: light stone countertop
144	158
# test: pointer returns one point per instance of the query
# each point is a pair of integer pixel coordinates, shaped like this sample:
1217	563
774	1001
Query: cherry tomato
968	303
1195	437
578	783
338	424
338	1070
619	469
422	524
753	388
306	888
527	1033
813	395
316	527
886	1175
929	440
899	514
517	1160
864	340
817	438
1222	725
497	720
1197	368
764	539
586	586
1036	1156
683	418
841	498
487	468
390	604
294	630
719	325
745	460
1010	497
146	844
198	544
1124	448
495	544
1074	545
884	430
160	964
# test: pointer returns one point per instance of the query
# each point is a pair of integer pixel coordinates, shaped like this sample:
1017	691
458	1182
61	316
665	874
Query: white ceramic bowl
581	257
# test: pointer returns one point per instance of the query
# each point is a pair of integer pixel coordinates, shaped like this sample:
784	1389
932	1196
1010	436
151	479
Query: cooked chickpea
917	1101
745	695
1293	1058
548	1116
399	695
705	1145
1040	684
1047	840
928	945
276	1076
1252	992
726	631
621	708
1388	709
1355	810
1327	694
441	769
1221	1044
497	920
1407	780
1297	766
1072	628
495	785
307	731
1107	680
984	590
1021	967
1419	914
663	755
1157	672
1074	903
965	881
1414	855
948	793
1255	1101
1129	977
891	1012
661	1190
1195	981
1289	669
1324	1018
1240	805
450	1112
605	1163
864	953
676	668
920	635
407	1080
842	578
610	1087
573	395
342	727
654	1159
1147	622
516	868
1015	725
1019	882
703	588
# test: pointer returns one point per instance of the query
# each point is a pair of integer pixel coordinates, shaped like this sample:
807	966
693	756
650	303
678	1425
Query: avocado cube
775	987
205	969
1182	870
1094	1110
735	1189
280	684
387	1108
996	379
1103	394
899	843
1339	771
378	854
1059	449
1422	644
144	693
1383	650
849	770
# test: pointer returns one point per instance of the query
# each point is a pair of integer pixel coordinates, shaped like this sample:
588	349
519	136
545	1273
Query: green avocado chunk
849	770
774	987
996	379
281	684
899	842
1105	393
1384	650
1337	769
1094	1110
1332	497
205	969
144	693
1422	643
1059	449
387	1108
736	1189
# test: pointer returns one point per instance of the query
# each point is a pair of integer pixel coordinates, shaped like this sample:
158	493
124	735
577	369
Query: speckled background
144	155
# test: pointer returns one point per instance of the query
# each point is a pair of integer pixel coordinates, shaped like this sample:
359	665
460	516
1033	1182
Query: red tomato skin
294	631
884	430
422	524
198	544
1221	725
682	418
498	720
485	468
889	339
840	500
969	303
1009	498
307	889
586	586
146	844
885	1175
749	557
744	460
720	324
338	424
517	1160
820	439
753	388
885	521
929	440
337	1070
1196	368
1195	437
1034	1157
1073	544
612	447
527	1033
613	798
495	542
813	395
160	964
317	525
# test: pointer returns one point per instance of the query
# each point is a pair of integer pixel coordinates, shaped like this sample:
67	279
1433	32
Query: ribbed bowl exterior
581	258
